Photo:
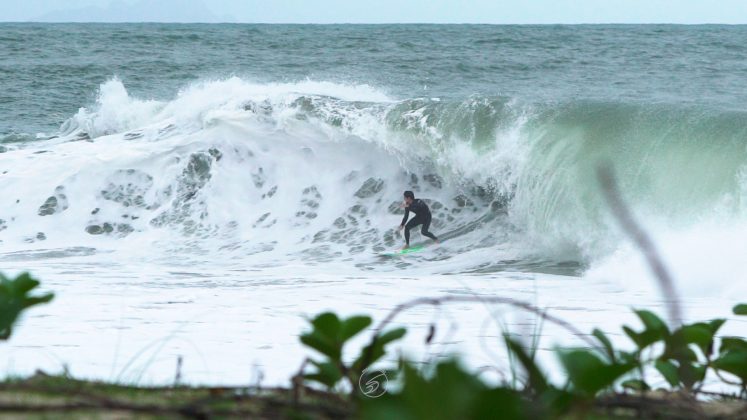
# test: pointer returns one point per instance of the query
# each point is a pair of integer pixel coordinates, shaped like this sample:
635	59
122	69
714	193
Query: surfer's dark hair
409	194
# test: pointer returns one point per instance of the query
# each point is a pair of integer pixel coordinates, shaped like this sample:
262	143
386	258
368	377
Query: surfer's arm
404	220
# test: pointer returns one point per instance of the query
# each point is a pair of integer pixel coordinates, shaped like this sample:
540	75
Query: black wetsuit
422	217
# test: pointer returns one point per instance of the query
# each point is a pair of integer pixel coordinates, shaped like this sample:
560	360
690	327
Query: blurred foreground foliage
15	297
599	382
661	374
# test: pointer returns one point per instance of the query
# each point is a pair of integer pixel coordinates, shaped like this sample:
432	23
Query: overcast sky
378	11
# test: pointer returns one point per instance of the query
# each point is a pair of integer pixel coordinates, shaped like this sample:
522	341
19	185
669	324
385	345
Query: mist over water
246	159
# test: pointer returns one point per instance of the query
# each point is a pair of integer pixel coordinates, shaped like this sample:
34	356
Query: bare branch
440	300
642	240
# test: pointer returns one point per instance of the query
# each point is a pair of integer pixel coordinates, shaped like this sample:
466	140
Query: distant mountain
140	11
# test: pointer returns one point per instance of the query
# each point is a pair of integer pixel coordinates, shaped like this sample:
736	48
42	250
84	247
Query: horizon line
378	23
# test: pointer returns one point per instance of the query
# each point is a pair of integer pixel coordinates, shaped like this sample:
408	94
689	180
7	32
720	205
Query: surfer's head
409	196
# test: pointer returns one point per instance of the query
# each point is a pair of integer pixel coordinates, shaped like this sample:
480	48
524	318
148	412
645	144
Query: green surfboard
399	252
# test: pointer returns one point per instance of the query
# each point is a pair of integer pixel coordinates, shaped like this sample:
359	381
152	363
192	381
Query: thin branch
625	218
440	300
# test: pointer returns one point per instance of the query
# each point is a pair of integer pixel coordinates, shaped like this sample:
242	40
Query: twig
622	213
297	381
178	375
440	300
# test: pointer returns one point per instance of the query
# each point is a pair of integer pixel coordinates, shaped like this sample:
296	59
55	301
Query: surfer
422	217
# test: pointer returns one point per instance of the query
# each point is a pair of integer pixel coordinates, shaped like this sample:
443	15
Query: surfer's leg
424	229
411	224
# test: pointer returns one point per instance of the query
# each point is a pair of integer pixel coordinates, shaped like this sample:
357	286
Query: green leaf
634	336
588	373
740	309
369	355
328	325
732	343
325	336
353	325
556	403
448	392
635	385
735	362
654	330
606	343
31	301
669	371
699	372
699	334
499	403
677	349
15	298
643	339
537	380
715	324
327	373
627	357
391	335
24	283
376	350
689	374
651	321
322	344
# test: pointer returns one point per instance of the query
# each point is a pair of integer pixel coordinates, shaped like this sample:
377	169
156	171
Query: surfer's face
408	200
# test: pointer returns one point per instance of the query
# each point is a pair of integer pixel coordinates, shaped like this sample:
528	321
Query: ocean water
197	190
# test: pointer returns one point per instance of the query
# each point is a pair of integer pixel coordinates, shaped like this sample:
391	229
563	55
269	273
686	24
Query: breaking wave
314	171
